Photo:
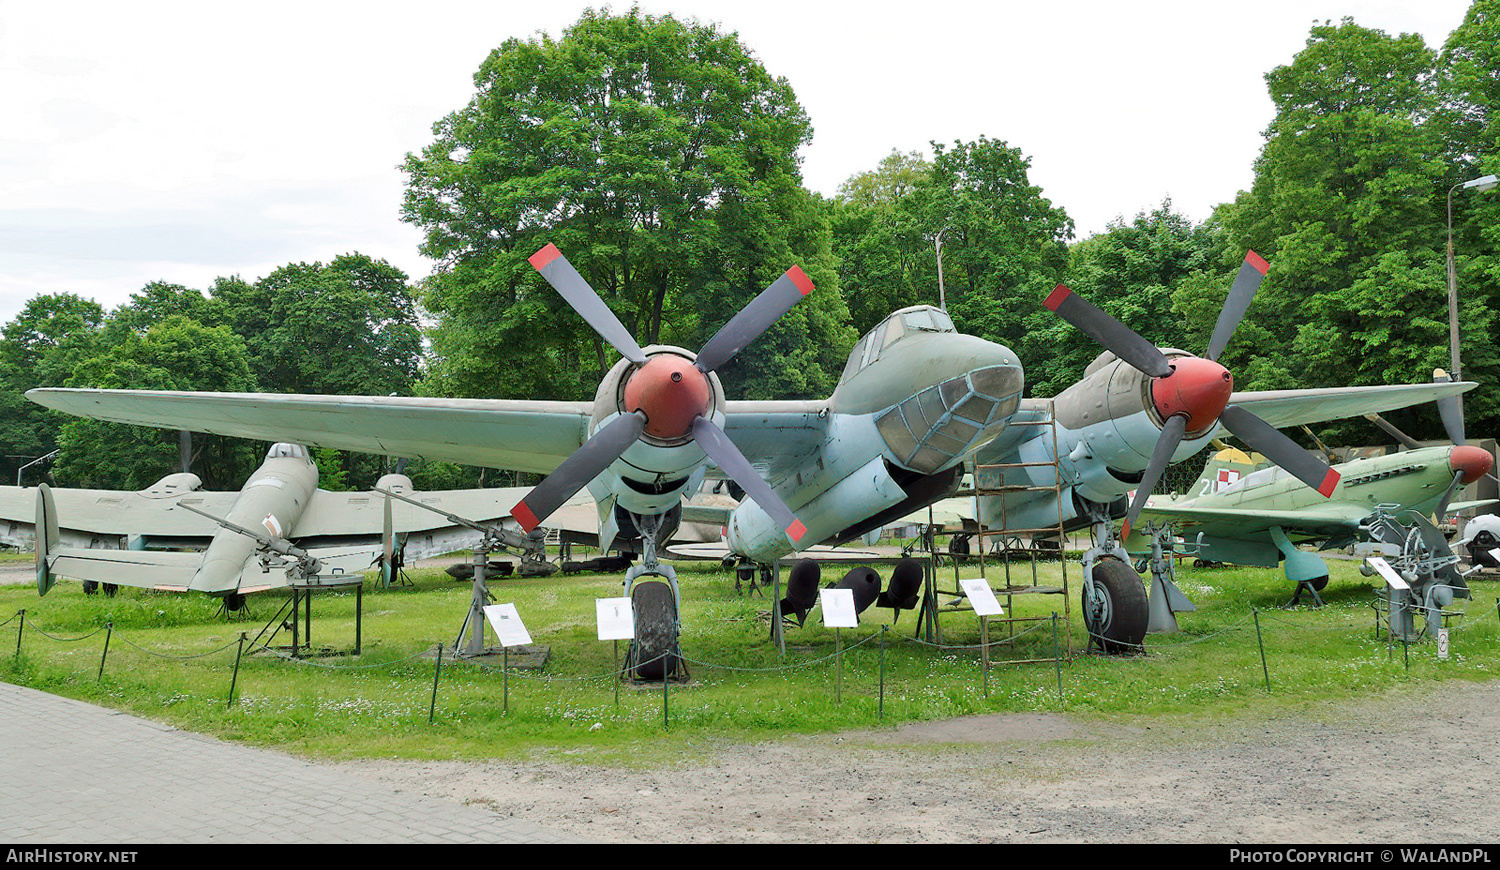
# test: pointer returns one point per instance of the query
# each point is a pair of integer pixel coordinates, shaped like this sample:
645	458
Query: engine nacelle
173	485
397	483
657	471
868	491
1110	424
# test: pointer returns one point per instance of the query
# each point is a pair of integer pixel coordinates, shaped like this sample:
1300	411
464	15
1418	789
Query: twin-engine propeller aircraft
174	536
915	399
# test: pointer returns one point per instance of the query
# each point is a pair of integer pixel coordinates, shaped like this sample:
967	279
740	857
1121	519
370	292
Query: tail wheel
654	654
1116	613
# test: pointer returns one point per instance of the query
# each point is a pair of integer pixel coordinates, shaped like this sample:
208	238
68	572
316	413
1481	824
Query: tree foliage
1349	203
661	157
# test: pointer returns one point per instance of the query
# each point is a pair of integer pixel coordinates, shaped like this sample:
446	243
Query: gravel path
1411	767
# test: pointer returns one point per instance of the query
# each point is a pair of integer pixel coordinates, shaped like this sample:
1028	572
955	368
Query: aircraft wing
1320	520
356	514
148	569
173	571
1283	408
953	514
779	438
111	513
498	433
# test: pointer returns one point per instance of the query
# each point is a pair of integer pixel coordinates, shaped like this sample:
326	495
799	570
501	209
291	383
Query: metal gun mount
1419	553
492	537
274	552
533	547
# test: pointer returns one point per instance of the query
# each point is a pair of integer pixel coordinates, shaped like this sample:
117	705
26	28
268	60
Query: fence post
1261	642
1057	660
109	630
20	630
432	707
234	680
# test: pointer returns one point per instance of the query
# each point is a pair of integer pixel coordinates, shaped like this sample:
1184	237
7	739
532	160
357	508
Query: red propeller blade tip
1330	482
1058	295
1257	262
546	255
800	278
523	515
1124	530
796	530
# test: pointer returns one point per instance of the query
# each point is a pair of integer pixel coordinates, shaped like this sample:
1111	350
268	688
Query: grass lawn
173	657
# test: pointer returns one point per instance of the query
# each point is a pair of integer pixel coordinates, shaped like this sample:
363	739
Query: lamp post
1478	184
937	245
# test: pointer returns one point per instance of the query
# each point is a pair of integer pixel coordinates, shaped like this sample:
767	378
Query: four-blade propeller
1191	393
665	397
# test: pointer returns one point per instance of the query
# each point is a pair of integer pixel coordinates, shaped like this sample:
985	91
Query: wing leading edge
499	433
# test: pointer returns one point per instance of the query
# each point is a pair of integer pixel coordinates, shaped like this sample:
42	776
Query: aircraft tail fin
1223	468
46	537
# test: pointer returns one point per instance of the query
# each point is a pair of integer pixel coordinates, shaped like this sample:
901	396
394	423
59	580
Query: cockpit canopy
900	324
286	450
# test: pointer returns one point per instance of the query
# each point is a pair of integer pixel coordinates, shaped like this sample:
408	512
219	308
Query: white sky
181	141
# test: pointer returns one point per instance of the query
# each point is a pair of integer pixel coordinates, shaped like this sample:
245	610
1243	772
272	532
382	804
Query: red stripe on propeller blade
544	256
523	515
800	278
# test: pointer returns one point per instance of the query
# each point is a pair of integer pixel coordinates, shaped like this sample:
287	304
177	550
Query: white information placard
1384	569
838	608
616	618
982	597
507	624
1442	639
1495	554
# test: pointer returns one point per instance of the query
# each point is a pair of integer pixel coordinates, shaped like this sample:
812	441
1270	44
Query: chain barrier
1280	619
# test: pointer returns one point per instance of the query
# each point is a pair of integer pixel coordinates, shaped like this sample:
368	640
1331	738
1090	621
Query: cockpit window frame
891	330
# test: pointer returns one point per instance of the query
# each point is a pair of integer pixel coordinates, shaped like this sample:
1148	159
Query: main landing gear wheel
654	653
1118	615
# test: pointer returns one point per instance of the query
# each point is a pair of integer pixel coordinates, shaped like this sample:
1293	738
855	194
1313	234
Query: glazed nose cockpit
931	429
935	394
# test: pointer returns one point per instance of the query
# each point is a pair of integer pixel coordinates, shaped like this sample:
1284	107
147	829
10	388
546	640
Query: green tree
886	261
39	348
1469	121
177	353
347	327
1346	205
1004	243
661	157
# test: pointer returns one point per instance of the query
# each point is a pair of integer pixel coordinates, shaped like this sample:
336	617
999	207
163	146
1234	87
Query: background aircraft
1250	514
915	398
140	538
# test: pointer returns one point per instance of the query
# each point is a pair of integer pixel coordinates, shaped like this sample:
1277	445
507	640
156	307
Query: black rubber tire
655	631
1118	627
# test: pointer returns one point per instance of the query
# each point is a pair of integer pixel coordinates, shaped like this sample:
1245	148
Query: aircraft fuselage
273	499
914	400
